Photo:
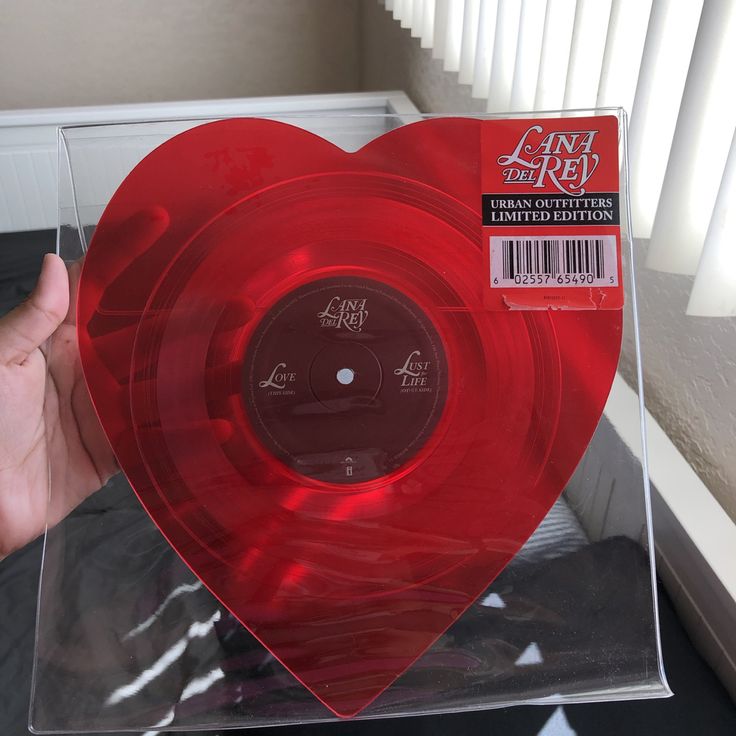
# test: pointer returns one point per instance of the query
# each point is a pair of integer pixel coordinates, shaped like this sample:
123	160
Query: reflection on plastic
178	591
171	655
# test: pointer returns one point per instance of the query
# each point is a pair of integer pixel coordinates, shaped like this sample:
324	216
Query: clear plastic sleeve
129	638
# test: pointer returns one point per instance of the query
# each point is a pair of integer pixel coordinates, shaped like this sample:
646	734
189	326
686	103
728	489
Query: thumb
29	325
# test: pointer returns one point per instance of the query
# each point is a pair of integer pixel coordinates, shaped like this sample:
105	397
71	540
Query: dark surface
700	704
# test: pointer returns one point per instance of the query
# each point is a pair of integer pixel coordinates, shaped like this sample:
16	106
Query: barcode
554	261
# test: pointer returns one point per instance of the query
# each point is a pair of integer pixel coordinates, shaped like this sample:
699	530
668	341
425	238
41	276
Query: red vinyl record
288	348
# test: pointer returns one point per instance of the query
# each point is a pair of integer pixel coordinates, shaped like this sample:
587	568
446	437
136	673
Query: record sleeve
348	387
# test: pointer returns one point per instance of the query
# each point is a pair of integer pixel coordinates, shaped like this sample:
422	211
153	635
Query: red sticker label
551	222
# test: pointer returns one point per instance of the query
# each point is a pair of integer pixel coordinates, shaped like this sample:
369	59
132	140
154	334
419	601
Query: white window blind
669	63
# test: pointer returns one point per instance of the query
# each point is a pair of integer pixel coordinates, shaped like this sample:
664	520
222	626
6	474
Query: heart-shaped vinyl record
288	348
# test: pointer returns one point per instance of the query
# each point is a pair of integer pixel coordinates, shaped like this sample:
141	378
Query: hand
45	424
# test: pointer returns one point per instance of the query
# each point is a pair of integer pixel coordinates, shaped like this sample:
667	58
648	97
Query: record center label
349	314
345	379
278	380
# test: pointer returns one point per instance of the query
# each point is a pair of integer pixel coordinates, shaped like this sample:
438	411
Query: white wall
81	52
689	376
689	362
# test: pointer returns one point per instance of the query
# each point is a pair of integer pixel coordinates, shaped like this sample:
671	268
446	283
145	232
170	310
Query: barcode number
554	261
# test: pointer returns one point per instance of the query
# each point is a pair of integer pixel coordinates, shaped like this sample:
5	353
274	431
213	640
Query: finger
30	324
74	273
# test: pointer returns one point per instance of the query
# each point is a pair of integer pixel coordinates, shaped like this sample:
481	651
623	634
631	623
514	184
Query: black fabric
20	262
700	705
